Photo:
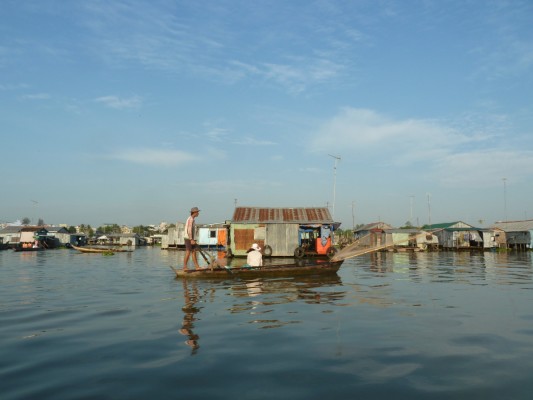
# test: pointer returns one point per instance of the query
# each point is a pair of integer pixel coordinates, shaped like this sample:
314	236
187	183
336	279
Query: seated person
254	258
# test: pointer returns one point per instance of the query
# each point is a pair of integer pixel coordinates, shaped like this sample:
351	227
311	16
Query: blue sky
132	112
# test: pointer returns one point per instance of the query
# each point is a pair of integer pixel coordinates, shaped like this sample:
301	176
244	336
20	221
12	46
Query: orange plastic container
322	249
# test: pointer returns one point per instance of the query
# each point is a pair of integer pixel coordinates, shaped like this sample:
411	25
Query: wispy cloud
11	86
154	157
249	141
236	186
217	134
484	168
120	103
160	38
434	150
35	96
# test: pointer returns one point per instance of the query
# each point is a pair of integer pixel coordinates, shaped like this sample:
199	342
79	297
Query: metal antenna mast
505	198
337	159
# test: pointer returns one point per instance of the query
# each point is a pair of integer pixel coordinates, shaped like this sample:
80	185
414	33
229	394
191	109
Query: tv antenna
337	159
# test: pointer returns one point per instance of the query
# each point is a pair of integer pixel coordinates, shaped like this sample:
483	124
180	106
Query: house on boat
459	235
514	234
282	232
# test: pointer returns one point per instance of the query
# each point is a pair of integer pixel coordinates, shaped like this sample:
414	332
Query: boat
297	269
100	249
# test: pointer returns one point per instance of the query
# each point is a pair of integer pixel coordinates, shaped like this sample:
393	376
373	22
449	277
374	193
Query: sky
132	112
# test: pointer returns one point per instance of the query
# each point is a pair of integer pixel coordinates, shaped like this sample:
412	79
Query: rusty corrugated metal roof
269	215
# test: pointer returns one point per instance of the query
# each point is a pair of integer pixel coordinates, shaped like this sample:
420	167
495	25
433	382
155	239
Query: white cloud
154	157
217	134
35	96
484	168
120	103
463	156
249	141
363	130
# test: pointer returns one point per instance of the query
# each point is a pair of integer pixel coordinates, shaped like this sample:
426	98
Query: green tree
71	229
26	221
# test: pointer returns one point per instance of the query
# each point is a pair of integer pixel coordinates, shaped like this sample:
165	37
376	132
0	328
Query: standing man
190	239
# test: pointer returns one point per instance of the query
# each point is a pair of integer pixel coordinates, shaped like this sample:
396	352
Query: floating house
282	232
460	235
371	234
64	237
126	239
214	236
410	239
514	234
174	238
10	235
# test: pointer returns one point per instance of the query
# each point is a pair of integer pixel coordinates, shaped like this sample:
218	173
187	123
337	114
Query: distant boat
301	268
100	249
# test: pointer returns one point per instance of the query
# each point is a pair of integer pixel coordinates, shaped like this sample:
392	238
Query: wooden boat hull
100	250
20	249
299	269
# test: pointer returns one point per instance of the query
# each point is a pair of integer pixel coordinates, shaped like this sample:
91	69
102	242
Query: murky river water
430	325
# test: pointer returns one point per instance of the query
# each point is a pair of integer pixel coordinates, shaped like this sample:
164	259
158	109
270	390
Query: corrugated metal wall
283	238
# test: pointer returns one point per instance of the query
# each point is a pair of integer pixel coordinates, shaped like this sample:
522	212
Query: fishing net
361	246
371	243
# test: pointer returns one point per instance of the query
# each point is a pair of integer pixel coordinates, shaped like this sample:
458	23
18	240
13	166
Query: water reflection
191	298
259	297
469	268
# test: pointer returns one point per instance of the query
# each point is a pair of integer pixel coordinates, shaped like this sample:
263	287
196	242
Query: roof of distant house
514	226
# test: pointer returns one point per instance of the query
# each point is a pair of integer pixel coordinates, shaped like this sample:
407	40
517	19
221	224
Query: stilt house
515	234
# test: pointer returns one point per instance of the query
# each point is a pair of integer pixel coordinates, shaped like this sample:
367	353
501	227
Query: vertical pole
353	215
337	158
411	214
429	208
504	198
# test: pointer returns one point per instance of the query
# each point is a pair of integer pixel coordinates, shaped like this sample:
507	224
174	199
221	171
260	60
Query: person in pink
190	239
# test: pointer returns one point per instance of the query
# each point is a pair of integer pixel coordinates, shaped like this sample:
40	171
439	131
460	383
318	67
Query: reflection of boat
302	268
100	250
28	249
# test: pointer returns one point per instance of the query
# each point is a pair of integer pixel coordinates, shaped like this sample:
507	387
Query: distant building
214	236
412	238
460	235
371	234
174	238
514	234
64	237
11	234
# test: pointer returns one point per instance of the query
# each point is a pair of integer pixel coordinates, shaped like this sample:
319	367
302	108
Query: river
408	326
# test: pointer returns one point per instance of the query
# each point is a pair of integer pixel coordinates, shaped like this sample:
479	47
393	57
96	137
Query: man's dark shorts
189	246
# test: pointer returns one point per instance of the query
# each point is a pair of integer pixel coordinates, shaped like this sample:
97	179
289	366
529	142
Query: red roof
300	215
